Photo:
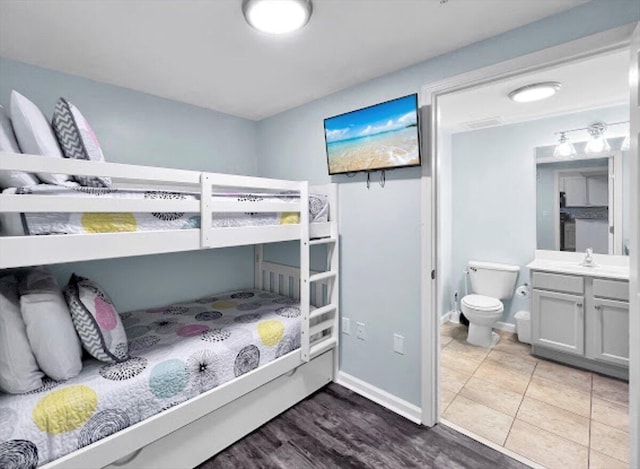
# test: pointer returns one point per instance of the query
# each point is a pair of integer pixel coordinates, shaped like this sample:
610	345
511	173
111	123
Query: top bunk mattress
177	352
18	224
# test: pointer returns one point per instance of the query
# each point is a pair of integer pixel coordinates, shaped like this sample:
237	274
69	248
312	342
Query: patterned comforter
178	352
84	223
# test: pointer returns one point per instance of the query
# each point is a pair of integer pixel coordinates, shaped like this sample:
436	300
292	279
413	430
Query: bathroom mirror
582	202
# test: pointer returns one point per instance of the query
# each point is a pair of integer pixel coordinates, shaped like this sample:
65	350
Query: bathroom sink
578	268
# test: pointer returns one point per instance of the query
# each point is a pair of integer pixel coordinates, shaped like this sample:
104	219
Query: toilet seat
482	303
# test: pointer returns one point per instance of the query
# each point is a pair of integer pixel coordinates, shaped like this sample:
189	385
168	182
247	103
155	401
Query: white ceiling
202	52
587	84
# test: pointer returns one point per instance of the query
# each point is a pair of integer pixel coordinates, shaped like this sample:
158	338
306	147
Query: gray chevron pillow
96	320
77	140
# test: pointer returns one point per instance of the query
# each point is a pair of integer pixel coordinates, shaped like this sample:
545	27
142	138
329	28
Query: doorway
434	96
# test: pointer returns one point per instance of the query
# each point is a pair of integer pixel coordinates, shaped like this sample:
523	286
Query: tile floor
556	415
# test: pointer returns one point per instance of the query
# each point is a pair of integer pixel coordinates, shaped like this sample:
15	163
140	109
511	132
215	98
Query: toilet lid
482	303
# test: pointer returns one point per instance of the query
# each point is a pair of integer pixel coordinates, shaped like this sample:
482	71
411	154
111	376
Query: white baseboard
445	318
505	326
379	396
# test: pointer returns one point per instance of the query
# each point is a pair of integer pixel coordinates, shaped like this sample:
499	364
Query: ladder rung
327	240
322	275
320	311
321	326
322	346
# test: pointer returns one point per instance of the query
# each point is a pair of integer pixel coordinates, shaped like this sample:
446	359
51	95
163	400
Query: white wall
494	192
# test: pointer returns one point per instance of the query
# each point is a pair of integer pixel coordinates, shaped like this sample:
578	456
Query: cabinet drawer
558	282
614	289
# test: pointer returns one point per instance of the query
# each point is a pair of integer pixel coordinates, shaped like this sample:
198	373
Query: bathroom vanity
580	315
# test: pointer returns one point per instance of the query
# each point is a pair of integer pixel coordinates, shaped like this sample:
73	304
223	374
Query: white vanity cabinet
609	314
581	320
557	317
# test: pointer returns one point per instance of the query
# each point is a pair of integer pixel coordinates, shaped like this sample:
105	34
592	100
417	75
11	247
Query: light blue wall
142	129
494	192
380	228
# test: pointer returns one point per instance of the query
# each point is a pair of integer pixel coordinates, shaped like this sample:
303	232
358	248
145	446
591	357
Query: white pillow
34	134
18	368
8	143
50	330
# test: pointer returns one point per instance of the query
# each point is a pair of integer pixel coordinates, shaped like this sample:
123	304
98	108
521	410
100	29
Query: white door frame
581	49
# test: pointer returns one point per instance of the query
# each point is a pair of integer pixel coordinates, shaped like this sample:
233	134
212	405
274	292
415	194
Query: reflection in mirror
583	201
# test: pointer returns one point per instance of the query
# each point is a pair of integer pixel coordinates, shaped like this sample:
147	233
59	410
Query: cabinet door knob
597	306
579	305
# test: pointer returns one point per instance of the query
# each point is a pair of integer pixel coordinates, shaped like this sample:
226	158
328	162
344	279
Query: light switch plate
398	344
346	326
360	332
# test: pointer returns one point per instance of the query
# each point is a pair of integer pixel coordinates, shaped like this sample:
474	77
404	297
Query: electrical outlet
360	334
346	326
398	344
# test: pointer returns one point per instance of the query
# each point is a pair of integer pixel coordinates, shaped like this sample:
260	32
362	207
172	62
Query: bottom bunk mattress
177	352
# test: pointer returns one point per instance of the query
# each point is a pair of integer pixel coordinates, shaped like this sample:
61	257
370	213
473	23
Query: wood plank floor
338	428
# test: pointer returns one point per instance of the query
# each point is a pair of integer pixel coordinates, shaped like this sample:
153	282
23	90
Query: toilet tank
492	279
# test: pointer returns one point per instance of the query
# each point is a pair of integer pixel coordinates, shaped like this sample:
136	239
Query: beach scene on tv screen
378	137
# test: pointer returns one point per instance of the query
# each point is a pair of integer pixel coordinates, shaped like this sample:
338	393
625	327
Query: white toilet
490	283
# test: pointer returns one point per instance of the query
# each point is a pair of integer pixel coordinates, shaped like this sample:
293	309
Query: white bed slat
44	164
20	251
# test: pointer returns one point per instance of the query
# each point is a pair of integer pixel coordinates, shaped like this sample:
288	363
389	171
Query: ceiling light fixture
277	16
535	92
565	148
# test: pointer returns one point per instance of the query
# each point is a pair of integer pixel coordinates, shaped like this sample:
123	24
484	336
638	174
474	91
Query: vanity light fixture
597	143
564	148
535	92
626	143
277	16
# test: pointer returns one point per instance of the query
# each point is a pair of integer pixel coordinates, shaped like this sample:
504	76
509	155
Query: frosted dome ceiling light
277	16
535	92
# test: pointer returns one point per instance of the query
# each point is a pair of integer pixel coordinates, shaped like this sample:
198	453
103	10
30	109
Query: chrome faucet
588	258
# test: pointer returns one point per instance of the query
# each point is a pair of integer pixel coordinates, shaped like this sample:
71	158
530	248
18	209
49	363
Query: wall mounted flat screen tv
383	136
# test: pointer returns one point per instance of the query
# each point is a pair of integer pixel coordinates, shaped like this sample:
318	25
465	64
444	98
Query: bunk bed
192	427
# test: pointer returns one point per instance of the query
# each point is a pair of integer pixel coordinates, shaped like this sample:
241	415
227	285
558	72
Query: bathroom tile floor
552	414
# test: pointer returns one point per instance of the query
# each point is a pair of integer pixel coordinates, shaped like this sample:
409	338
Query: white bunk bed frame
192	432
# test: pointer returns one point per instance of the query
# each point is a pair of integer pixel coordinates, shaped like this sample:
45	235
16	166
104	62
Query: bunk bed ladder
324	319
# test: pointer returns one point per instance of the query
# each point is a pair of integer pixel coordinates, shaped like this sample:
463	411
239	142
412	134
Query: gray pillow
19	371
35	135
96	320
53	338
8	143
77	140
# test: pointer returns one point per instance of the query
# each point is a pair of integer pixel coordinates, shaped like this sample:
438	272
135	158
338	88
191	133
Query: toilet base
482	336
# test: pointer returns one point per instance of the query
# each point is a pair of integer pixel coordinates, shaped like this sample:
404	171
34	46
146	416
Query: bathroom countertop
618	272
